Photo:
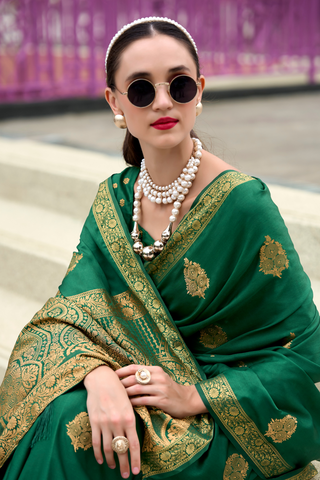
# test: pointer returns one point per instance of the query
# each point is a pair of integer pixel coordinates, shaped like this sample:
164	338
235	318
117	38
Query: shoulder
122	178
127	175
253	210
249	193
245	200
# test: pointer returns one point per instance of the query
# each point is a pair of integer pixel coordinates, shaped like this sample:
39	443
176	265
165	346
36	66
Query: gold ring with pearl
143	376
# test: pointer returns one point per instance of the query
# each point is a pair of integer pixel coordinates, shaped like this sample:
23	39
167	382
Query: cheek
136	120
189	114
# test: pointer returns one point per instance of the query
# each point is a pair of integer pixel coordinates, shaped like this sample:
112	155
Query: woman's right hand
111	415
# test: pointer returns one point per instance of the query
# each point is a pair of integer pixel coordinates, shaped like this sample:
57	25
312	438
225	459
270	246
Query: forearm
92	379
194	402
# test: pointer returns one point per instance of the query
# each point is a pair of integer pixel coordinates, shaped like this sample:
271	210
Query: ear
202	81
113	102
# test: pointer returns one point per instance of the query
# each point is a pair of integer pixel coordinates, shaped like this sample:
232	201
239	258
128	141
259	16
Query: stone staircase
46	192
45	195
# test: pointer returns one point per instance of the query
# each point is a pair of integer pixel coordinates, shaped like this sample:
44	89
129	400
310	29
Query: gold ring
143	376
120	445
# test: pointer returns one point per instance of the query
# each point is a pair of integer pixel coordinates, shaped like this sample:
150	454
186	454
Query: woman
184	328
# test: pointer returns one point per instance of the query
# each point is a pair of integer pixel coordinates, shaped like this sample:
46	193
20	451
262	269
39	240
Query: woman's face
158	59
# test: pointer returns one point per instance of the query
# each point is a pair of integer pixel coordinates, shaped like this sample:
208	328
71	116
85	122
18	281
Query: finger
107	448
134	446
123	459
140	390
96	443
129	381
128	370
151	401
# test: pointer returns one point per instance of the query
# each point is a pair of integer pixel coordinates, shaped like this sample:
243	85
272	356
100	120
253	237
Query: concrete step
55	177
36	246
301	212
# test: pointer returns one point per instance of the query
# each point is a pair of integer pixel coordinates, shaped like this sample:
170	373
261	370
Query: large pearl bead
158	246
138	247
148	253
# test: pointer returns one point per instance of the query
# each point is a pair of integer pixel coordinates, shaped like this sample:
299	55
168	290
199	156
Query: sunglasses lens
141	93
183	89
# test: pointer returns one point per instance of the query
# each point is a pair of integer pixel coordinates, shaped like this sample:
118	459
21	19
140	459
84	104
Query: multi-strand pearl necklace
174	193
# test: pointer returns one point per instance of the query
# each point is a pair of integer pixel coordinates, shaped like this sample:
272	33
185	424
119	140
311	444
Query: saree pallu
226	307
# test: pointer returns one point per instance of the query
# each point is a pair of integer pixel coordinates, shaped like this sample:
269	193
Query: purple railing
55	48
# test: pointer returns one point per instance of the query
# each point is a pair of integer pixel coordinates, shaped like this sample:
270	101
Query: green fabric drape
226	306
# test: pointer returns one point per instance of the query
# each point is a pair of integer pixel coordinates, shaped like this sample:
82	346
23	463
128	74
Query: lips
164	121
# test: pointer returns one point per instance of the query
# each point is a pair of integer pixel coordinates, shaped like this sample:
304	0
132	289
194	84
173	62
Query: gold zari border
242	428
127	262
194	223
160	454
306	474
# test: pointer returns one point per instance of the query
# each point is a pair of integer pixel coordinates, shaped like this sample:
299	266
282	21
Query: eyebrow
135	75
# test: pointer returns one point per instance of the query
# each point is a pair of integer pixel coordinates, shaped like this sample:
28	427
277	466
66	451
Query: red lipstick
164	123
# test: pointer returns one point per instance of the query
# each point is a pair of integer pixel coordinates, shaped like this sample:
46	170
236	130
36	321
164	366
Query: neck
165	164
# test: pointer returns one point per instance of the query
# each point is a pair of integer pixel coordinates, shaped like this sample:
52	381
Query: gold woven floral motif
236	468
196	279
76	257
273	258
79	430
126	180
213	336
282	429
122	202
115	185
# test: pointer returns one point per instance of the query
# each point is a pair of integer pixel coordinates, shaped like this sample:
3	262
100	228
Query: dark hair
131	148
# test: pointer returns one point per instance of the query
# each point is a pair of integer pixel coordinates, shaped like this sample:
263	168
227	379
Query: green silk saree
226	306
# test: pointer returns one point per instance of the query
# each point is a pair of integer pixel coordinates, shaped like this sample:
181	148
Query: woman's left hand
162	392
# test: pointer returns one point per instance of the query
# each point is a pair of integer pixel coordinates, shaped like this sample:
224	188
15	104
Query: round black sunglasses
141	92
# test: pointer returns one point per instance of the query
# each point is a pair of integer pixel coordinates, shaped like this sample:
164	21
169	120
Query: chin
168	138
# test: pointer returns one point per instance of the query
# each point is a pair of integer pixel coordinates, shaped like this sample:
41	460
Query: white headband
148	20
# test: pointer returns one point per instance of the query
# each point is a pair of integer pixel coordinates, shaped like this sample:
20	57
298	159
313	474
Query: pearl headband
148	20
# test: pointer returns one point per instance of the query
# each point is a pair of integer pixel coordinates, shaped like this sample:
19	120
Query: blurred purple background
53	49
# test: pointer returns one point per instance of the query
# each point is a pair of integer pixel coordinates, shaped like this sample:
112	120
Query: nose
162	100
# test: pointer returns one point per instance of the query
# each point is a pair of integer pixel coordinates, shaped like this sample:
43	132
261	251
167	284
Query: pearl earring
198	109
120	121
